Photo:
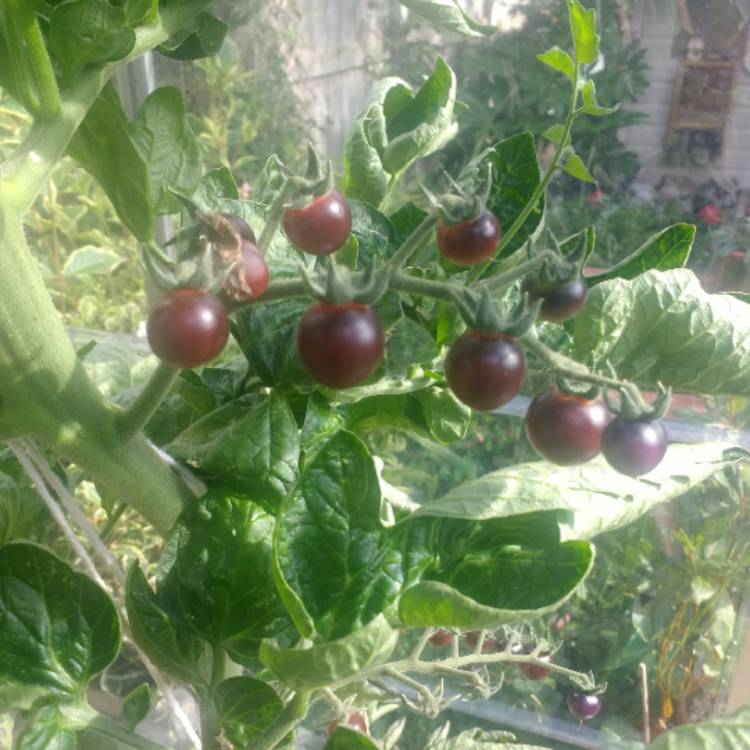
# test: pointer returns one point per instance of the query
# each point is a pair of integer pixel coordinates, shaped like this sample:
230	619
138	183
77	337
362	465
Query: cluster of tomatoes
341	345
584	706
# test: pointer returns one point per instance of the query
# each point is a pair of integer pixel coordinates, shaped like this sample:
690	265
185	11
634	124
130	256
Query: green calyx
463	205
632	406
558	270
317	180
589	391
339	285
480	312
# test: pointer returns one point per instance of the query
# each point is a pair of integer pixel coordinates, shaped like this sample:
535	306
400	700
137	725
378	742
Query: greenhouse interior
374	374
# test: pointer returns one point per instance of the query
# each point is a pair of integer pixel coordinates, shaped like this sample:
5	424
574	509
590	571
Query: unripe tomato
560	303
321	227
188	328
254	270
634	447
340	345
471	242
583	706
485	370
566	429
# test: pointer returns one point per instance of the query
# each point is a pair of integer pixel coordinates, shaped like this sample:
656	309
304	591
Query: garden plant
294	582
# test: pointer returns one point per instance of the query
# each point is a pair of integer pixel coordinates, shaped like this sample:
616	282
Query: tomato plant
292	575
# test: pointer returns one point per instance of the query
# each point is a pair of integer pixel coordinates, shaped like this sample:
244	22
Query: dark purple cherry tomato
566	429
254	270
321	227
531	671
188	328
340	345
560	303
242	227
485	370
441	638
634	447
471	242
583	706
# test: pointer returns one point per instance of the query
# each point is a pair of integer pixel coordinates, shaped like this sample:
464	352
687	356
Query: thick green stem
536	196
137	415
287	721
41	66
413	242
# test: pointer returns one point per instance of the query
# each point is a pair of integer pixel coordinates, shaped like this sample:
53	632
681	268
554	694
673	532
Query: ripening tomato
356	720
471	242
340	345
321	227
188	328
559	303
584	706
634	446
485	370
254	270
564	428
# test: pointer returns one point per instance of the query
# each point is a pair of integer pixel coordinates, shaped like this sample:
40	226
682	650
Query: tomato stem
414	242
519	272
289	718
131	421
478	272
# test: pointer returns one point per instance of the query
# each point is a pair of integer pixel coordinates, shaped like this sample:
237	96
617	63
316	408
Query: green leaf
570	245
88	32
20	508
204	574
327	663
139	11
575	167
90	261
515	177
216	187
167	145
662	326
585	500
48	730
558	59
266	334
334	567
102	146
730	732
555	134
423	123
251	444
374	235
346	738
204	39
447	15
170	645
583	30
246	708
590	105
321	423
59	628
666	250
447	418
137	705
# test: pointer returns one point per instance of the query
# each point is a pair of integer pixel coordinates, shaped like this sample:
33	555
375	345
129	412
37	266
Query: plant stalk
137	415
289	718
478	272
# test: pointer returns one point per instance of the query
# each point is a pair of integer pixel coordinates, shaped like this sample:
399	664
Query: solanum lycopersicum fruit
559	303
583	706
355	720
634	447
471	242
441	638
340	345
485	370
531	671
489	645
254	270
242	227
566	429
321	227
188	328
